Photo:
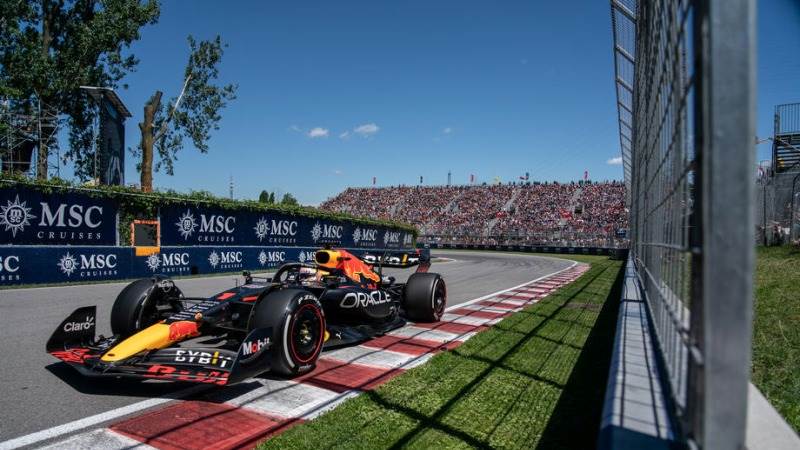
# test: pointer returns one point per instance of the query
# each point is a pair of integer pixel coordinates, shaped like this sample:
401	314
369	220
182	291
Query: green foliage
198	107
289	200
269	199
135	204
51	48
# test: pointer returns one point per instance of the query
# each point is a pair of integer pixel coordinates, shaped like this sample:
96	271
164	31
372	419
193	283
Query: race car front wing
74	343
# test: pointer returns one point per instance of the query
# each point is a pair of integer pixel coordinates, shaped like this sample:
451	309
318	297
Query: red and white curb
244	414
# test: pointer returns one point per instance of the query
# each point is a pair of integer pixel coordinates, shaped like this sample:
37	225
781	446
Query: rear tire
425	297
298	324
135	307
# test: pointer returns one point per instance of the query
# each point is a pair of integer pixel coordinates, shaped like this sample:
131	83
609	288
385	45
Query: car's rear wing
399	258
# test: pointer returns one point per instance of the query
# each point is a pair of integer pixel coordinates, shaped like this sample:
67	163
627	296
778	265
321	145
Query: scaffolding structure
24	131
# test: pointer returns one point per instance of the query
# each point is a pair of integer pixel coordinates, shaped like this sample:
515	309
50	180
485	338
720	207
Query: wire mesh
686	132
662	174
655	88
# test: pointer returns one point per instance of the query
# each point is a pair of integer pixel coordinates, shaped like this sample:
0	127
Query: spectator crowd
575	214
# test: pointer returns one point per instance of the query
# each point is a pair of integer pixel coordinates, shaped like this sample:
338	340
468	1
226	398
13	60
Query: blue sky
334	93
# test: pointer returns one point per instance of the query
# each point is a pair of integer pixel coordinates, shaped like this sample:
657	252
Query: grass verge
536	379
776	330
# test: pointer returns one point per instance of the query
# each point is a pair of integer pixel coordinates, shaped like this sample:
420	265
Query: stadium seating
575	214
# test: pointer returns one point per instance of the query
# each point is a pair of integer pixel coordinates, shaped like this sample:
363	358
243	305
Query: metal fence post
722	315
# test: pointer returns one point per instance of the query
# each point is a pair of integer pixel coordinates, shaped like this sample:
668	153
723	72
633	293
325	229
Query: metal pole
95	131
764	212
39	131
726	116
791	214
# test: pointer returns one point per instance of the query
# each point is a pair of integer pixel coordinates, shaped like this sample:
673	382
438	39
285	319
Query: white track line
97	419
475	300
100	439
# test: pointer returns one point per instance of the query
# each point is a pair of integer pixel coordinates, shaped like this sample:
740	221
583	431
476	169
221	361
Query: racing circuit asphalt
39	392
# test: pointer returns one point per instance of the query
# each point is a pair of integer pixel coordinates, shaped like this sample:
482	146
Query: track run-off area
44	402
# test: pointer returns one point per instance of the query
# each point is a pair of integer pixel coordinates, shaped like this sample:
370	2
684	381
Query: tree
193	114
52	47
263	197
289	200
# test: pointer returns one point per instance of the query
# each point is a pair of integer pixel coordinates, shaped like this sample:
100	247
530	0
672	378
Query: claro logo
362	300
9	264
77	327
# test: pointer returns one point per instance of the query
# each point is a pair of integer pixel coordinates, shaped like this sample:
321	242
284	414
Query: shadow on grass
575	422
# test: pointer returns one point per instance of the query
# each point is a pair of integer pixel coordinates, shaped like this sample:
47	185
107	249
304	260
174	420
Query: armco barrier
70	264
615	253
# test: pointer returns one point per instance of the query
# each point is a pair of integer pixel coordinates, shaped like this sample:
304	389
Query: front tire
138	306
425	297
298	325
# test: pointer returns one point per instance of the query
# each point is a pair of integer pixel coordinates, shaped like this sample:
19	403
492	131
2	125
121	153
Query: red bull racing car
278	324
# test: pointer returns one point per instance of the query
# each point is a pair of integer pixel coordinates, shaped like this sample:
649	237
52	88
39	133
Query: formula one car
278	324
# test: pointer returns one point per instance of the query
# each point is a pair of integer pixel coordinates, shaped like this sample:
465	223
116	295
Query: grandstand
571	214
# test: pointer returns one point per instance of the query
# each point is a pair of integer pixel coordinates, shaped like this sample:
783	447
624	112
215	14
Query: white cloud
344	135
447	130
368	129
296	128
337	172
617	161
318	132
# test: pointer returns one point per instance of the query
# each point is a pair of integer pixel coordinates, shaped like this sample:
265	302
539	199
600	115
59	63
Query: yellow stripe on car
154	337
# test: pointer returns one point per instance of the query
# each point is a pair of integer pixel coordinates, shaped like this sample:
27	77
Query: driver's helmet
311	274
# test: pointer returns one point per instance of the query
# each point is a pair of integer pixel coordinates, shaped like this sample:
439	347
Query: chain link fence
684	79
